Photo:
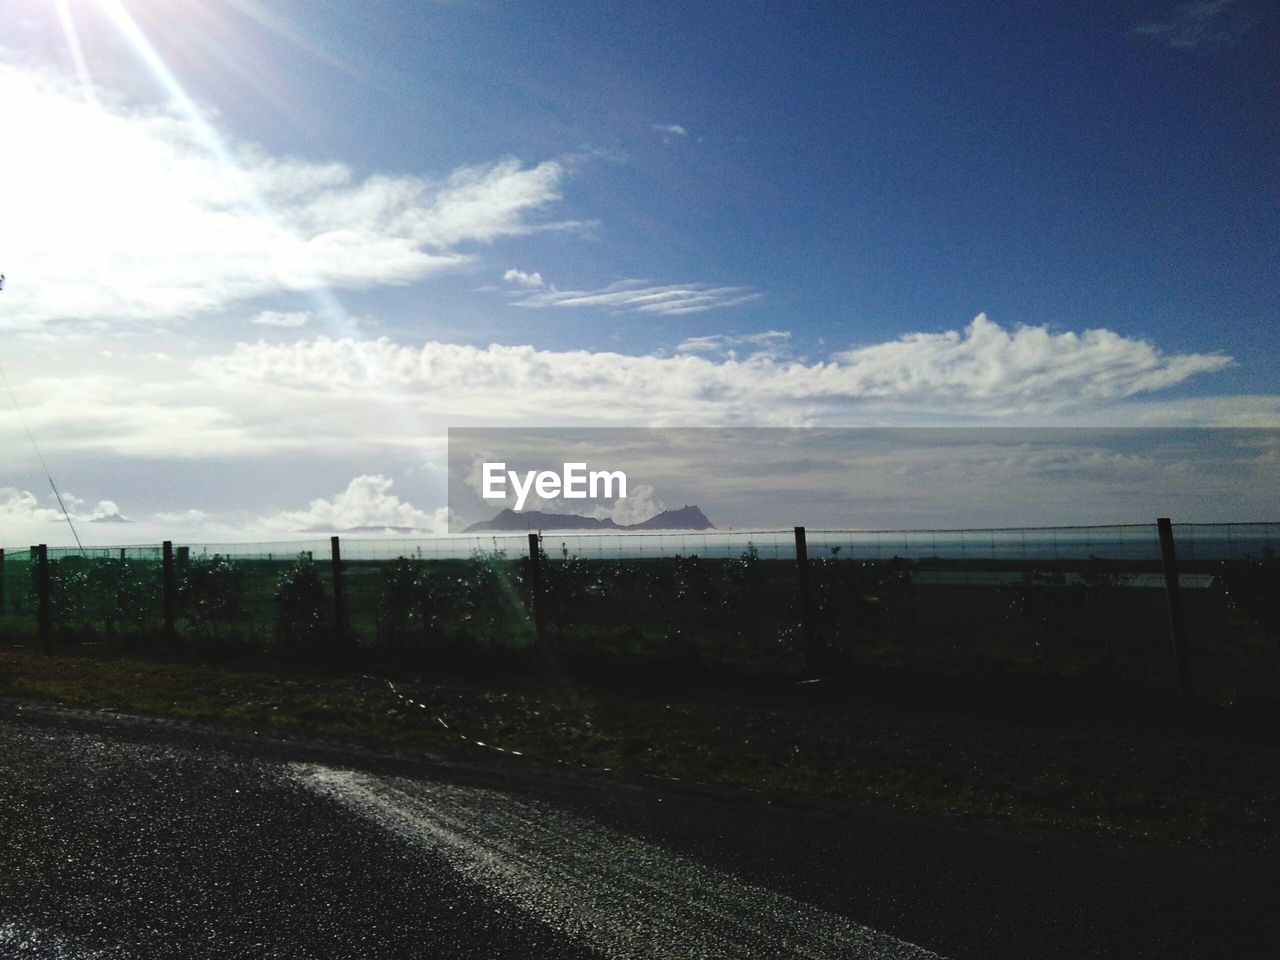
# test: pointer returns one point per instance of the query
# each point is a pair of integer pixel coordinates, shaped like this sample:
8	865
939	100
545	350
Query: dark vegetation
1010	628
1036	691
1207	776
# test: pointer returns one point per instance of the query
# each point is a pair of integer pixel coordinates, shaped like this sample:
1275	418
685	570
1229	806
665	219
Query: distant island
686	518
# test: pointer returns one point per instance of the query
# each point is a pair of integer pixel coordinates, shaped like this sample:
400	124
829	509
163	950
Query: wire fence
1099	604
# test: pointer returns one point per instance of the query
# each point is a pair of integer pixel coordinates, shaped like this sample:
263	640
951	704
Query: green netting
1071	602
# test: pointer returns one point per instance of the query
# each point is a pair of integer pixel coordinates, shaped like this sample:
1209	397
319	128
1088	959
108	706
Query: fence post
169	586
1177	628
535	583
44	612
1	581
808	632
339	599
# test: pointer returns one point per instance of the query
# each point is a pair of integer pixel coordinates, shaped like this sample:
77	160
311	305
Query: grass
1208	777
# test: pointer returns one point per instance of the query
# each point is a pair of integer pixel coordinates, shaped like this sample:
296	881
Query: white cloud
637	506
151	224
351	397
1200	23
637	295
986	365
520	278
367	502
76	508
105	510
191	516
126	417
983	371
769	343
22	507
671	129
277	318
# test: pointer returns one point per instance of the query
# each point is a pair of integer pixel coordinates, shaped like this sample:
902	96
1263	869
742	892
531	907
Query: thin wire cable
40	456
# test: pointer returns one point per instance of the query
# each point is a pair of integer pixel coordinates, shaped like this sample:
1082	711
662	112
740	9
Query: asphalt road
122	838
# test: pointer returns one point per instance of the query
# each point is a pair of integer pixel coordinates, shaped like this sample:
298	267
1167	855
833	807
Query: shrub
209	589
1252	588
302	608
412	606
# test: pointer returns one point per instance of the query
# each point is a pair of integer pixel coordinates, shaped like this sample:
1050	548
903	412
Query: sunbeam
329	309
291	34
77	52
160	71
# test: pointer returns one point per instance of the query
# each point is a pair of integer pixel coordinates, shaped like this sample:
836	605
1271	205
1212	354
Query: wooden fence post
169	588
1177	627
339	599
535	583
44	611
808	632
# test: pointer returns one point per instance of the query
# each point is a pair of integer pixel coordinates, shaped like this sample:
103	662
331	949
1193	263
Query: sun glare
328	311
77	52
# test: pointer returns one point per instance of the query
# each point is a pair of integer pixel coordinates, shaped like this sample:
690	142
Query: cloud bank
367	503
22	507
983	370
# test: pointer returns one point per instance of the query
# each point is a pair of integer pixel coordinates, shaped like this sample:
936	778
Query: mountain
686	518
537	520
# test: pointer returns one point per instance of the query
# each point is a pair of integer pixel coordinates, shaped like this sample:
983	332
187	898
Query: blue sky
871	171
257	252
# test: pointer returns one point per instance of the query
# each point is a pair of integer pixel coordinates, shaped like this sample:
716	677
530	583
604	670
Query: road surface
126	838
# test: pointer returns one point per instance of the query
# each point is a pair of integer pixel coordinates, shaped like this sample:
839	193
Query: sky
259	257
882	478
